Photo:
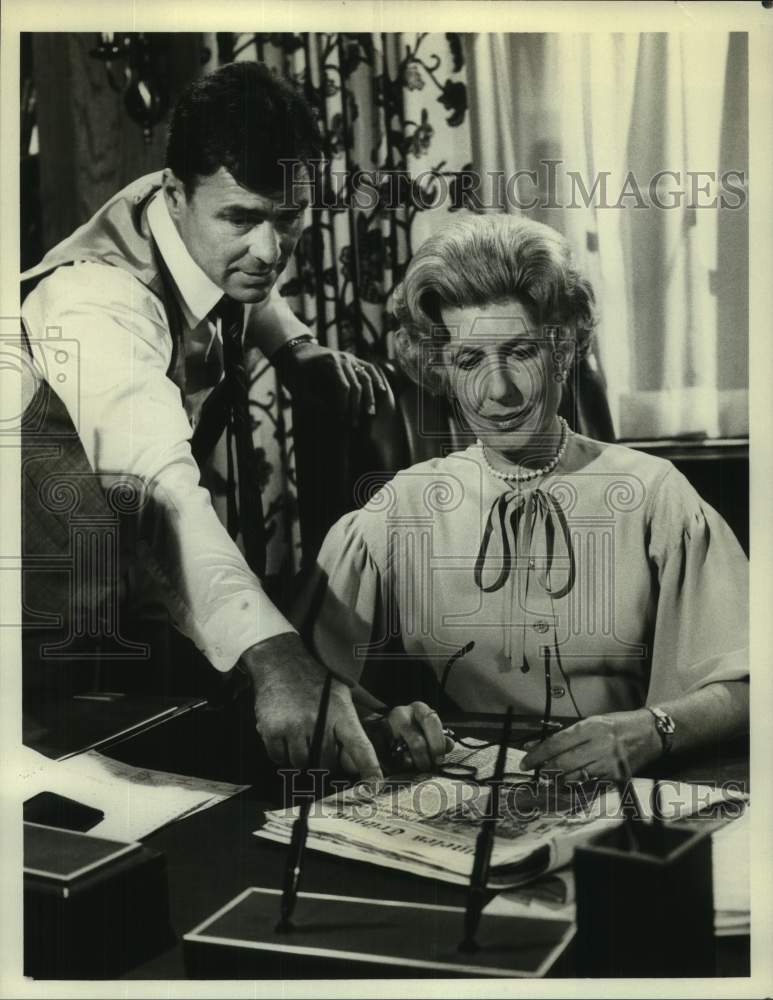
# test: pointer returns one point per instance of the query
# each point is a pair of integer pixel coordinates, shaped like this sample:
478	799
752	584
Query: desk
213	856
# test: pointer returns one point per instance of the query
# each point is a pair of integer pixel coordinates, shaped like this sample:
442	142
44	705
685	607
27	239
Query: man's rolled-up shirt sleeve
131	422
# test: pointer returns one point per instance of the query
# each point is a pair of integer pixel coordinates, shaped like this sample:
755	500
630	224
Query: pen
484	845
626	791
658	819
292	877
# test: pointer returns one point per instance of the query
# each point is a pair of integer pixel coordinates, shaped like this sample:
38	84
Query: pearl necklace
525	477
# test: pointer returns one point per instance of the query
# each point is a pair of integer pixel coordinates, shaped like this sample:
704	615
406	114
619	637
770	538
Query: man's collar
198	294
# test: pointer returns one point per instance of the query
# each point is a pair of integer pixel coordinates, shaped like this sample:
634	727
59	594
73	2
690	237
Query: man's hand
287	684
587	749
334	378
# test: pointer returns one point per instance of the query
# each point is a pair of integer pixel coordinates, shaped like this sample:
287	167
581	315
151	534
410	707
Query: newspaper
428	824
136	801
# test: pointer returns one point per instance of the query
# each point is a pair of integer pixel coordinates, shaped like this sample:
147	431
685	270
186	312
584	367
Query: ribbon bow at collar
539	511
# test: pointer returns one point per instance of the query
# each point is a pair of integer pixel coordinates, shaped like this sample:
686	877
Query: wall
89	147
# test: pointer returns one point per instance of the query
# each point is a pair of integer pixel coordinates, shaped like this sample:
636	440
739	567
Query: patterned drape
393	113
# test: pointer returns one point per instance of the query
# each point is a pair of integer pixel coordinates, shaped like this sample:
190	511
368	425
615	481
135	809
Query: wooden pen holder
647	911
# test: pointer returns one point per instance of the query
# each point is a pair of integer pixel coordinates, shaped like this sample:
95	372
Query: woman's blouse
610	582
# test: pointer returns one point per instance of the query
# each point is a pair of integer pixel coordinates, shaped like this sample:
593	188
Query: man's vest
118	234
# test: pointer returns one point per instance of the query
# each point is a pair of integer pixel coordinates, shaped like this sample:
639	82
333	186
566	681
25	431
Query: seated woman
537	564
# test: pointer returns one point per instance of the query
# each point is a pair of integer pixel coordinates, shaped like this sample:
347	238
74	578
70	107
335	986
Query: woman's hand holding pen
417	738
589	748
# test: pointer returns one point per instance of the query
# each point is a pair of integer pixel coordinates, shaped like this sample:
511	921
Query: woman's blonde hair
481	260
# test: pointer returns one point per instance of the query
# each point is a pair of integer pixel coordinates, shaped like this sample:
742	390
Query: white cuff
243	621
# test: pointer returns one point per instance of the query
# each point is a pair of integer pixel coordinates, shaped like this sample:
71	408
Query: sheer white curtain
615	111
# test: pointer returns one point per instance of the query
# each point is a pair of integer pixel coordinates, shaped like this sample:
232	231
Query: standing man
162	289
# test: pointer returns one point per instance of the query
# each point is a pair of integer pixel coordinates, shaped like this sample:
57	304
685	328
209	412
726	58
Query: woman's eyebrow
522	342
525	342
467	352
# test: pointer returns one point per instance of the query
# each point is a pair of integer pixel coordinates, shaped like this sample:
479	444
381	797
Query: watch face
664	722
665	726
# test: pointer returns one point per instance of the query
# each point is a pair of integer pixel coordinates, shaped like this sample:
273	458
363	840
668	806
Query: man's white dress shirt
131	420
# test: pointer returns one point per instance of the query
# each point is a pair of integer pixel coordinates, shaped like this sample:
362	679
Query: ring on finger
398	746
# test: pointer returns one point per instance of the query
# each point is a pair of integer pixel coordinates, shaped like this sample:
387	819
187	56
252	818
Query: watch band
665	726
302	338
282	357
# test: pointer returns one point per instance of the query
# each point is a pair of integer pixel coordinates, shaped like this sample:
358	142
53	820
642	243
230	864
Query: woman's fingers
572	760
592	770
419	729
417	752
545	753
429	723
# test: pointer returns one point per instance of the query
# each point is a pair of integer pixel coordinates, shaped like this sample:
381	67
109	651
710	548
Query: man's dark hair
245	119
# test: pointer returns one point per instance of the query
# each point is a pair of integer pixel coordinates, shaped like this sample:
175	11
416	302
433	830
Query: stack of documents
136	801
731	848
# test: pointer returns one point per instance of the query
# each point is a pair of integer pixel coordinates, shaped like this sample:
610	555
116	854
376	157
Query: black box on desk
647	911
93	908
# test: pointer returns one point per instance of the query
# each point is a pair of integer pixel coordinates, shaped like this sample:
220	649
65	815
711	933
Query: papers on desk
136	801
428	824
553	897
549	898
730	852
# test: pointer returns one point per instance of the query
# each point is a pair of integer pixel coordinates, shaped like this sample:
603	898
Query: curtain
597	119
393	113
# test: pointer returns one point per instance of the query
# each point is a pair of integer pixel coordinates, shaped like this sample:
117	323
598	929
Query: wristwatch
665	726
